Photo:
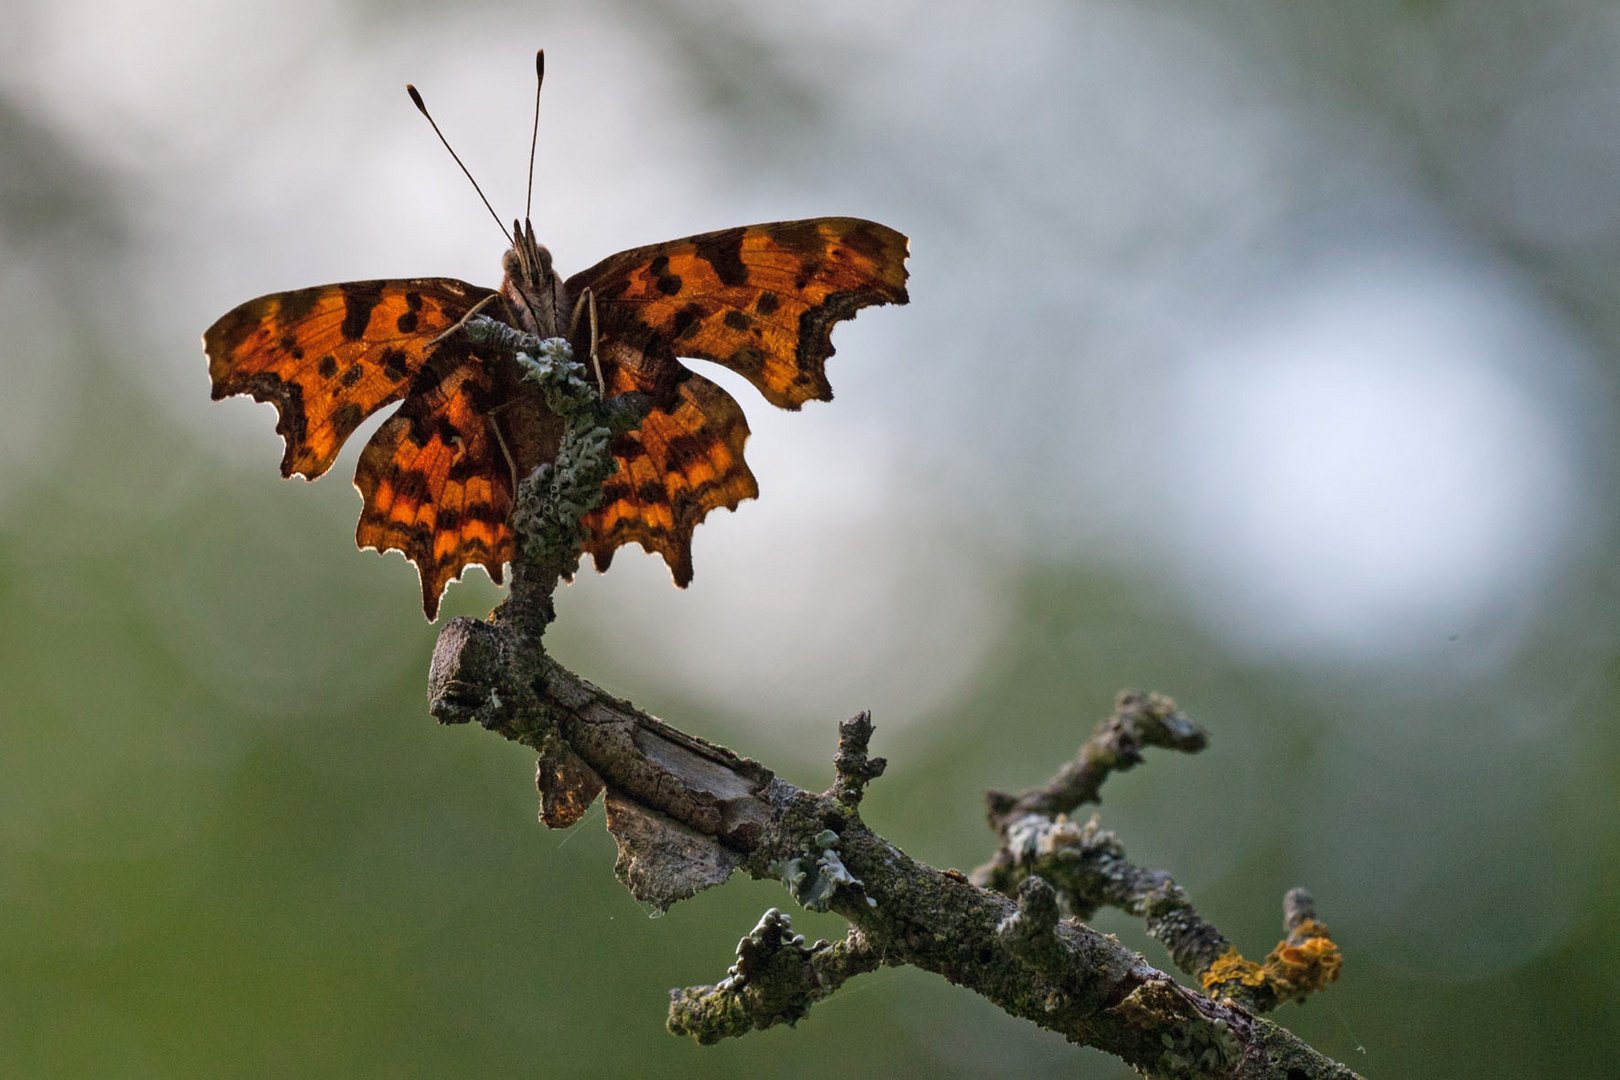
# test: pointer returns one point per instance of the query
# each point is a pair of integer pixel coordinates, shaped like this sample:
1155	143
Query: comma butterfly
437	478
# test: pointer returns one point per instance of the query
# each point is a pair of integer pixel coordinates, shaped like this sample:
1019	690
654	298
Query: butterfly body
437	478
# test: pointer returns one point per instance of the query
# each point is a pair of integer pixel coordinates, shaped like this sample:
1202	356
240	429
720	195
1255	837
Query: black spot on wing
295	307
358	305
866	241
346	419
687	321
393	363
723	251
665	282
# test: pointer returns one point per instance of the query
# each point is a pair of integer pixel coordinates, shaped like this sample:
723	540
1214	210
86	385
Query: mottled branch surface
687	813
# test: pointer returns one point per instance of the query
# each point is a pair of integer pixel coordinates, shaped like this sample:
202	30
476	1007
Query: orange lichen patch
1230	969
1305	963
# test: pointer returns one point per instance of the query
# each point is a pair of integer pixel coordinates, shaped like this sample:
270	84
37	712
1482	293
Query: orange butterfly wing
685	459
761	300
432	483
330	356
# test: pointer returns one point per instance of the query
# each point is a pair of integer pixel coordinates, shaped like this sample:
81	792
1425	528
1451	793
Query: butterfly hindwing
434	481
683	460
761	299
329	356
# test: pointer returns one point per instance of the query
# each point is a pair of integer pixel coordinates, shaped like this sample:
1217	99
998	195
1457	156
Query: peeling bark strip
686	813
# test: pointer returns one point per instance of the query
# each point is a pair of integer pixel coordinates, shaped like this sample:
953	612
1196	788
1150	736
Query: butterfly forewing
760	299
330	356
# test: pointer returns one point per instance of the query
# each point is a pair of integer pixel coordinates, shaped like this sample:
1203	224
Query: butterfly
437	479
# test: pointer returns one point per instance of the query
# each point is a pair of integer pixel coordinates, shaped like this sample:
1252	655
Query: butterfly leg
586	304
506	452
459	323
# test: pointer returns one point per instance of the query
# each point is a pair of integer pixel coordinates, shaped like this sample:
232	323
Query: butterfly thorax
534	297
532	288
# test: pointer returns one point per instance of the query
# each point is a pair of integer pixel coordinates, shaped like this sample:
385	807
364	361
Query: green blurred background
1262	353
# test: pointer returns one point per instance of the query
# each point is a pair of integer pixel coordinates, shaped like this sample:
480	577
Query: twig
775	980
1087	868
1139	720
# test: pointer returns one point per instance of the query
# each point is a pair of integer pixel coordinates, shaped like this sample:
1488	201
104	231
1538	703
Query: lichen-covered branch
1303	963
1086	866
775	980
552	499
1138	721
686	814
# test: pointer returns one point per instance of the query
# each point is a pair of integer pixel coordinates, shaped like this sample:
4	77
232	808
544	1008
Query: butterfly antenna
534	139
421	107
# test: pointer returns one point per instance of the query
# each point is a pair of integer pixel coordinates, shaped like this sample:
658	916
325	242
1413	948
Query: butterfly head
531	286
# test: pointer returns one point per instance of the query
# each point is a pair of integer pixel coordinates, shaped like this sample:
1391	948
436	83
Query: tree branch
687	813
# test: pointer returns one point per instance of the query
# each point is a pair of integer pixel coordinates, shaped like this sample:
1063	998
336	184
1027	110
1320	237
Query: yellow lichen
1231	969
1306	963
1303	964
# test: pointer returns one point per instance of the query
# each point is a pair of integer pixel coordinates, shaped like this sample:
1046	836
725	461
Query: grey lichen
1087	866
1193	1046
555	496
551	501
1199	1051
813	883
772	936
1031	930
